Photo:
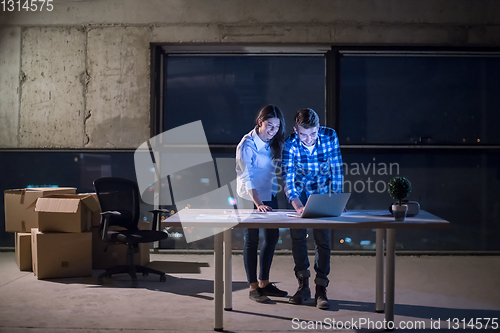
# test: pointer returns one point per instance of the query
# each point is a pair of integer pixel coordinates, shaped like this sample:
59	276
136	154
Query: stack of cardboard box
20	217
57	233
61	246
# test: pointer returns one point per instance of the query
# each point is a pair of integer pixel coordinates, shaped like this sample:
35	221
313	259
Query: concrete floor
428	288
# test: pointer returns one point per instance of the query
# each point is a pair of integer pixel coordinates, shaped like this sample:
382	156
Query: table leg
379	261
390	275
228	278
218	281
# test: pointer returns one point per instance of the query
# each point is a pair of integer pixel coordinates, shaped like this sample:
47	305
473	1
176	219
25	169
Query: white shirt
255	168
310	148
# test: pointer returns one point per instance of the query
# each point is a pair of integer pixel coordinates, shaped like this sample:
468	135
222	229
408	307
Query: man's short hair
306	118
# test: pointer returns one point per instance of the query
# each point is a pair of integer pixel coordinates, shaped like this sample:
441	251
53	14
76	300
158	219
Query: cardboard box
20	215
116	254
66	212
56	255
23	251
96	215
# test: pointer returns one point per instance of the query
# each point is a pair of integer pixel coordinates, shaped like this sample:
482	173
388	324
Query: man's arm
336	167
289	177
297	204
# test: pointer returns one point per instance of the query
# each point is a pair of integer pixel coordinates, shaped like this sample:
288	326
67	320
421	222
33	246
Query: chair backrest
121	195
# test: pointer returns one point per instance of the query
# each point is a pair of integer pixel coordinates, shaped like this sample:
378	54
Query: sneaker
258	296
320	298
272	290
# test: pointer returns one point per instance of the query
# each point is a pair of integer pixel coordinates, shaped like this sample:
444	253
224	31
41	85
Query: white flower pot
399	212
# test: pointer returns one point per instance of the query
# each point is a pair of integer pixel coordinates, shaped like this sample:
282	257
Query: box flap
48	189
34	193
15	191
89	199
91	202
64	196
57	205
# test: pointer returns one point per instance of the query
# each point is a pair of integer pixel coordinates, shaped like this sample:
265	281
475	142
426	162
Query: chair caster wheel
163	278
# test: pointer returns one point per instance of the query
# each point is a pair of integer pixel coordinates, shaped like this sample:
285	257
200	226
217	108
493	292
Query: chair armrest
105	222
156	217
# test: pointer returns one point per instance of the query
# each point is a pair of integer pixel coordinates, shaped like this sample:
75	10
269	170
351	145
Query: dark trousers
271	237
322	245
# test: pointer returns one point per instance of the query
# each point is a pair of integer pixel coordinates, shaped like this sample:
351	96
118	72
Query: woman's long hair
276	143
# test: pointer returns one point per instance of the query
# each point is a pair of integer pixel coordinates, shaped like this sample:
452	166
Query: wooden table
382	221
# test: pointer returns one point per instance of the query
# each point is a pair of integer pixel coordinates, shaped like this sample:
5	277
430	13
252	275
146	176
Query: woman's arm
258	203
244	166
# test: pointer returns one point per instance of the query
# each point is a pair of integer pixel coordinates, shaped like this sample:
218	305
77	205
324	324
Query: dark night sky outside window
419	99
226	92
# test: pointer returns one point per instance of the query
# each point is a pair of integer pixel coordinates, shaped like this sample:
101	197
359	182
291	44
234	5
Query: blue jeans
322	247
321	258
266	251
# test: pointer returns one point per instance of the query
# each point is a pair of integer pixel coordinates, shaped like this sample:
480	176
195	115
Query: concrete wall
78	76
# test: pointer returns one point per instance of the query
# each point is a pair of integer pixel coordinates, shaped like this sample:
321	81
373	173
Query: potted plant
399	188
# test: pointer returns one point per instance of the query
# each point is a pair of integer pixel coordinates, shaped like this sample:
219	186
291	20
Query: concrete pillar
52	101
118	89
10	58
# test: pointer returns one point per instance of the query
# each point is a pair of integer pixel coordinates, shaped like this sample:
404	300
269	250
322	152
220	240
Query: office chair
119	199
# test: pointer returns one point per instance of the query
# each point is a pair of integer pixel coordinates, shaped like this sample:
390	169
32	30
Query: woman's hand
264	208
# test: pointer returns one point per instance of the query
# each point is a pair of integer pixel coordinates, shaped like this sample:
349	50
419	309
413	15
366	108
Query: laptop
324	205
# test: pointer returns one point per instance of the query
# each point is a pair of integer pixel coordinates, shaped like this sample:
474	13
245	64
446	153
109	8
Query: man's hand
297	204
299	209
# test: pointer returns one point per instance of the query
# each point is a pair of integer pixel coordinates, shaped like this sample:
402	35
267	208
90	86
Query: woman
256	157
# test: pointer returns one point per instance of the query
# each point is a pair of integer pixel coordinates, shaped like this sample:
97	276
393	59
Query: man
311	164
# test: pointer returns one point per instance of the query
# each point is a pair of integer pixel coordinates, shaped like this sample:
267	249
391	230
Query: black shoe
272	290
320	299
258	296
302	294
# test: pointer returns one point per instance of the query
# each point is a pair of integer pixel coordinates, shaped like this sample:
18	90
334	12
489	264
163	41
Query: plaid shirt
315	172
